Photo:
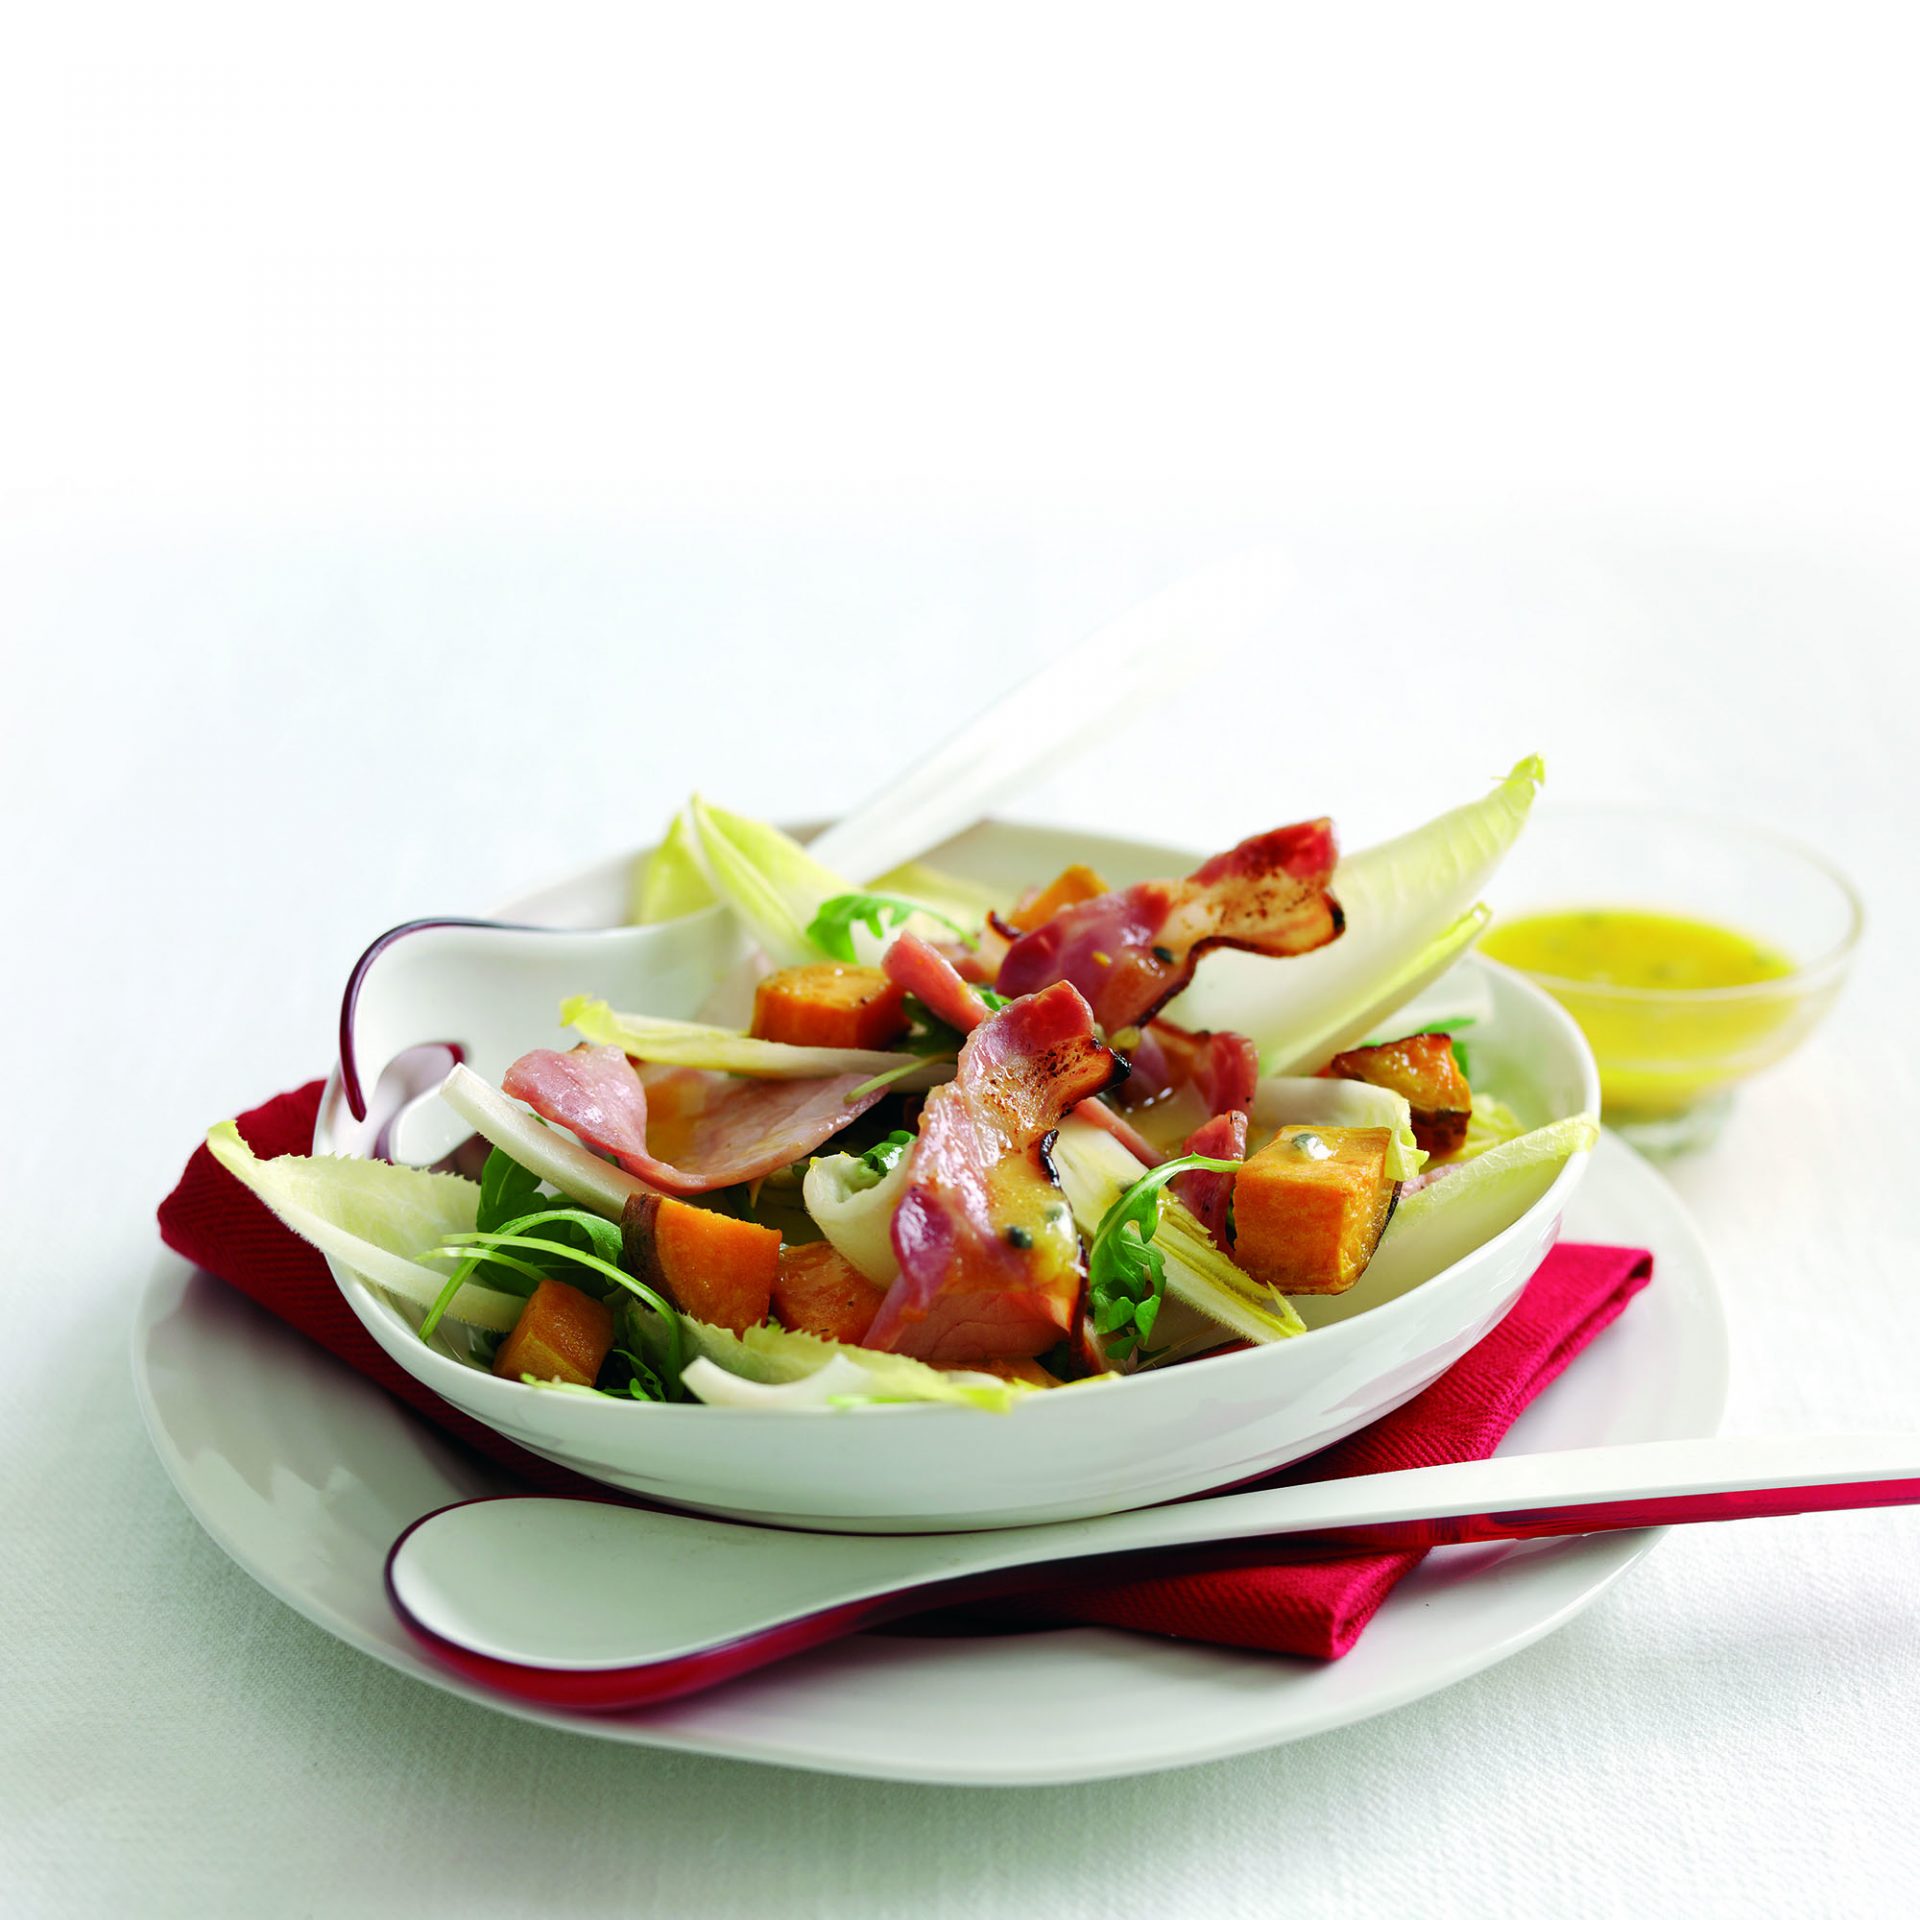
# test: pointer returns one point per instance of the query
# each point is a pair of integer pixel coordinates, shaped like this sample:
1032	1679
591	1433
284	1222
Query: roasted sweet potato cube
819	1290
828	1005
562	1334
1067	889
719	1269
1310	1206
1421	1068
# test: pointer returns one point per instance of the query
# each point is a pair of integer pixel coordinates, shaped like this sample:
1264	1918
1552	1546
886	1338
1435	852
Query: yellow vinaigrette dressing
1656	994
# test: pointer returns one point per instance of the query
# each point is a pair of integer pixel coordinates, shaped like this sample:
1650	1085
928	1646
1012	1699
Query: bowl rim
1804	977
425	1363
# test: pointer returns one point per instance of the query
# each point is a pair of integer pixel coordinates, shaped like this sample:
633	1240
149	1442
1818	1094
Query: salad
937	1145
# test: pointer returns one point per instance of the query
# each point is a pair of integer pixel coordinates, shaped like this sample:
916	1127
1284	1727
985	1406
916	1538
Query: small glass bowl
1669	1058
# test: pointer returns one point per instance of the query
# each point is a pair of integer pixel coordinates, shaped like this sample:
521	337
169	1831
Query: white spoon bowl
1200	1427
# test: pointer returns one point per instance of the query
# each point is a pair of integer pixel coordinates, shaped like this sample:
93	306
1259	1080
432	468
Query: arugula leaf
883	1156
880	1080
1126	1272
626	1372
472	1250
507	1190
510	1198
831	929
652	1349
930	1037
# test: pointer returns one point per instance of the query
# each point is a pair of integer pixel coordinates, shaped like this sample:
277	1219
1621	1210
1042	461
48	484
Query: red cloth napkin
1315	1606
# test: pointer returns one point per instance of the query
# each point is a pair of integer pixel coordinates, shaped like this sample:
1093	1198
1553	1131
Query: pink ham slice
724	1130
990	1260
1130	952
1207	1196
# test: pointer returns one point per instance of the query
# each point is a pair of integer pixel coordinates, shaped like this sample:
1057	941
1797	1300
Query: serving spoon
595	1606
420	980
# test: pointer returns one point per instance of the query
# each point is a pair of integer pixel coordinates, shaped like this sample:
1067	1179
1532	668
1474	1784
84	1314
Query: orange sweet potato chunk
1067	889
828	1005
1423	1071
562	1334
1310	1206
818	1290
708	1264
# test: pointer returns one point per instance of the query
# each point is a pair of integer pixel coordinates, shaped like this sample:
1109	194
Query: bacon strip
981	961
934	981
723	1130
1207	1196
1222	1068
1130	952
990	1261
1099	1114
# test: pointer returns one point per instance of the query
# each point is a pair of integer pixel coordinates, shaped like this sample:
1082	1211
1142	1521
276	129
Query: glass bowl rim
1805	977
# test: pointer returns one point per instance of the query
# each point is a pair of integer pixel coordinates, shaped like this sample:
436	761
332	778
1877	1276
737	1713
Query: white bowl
1158	1436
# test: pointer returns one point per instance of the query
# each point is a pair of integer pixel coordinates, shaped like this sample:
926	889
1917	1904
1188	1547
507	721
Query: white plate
305	1474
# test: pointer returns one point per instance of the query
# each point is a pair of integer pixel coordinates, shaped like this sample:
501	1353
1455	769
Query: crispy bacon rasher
1130	952
935	981
1207	1196
990	1260
1221	1067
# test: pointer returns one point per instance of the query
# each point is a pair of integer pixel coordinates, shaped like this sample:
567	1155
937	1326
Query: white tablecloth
229	761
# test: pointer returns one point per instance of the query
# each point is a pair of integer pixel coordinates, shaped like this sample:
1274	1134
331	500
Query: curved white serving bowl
1096	1449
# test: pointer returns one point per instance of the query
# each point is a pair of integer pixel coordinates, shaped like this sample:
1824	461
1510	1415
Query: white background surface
426	451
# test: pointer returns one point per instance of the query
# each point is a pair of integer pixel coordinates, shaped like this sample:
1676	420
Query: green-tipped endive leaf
1096	1170
688	1043
773	1368
853	1205
1462	1206
1411	908
372	1217
671	881
767	877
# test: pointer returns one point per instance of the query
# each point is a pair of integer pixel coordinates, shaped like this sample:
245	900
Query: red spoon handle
1659	1510
605	1689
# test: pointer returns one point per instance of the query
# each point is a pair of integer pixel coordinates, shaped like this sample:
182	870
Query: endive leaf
688	1043
1096	1170
371	1217
672	879
768	1357
1411	909
556	1157
854	1207
767	877
949	893
1463	1205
